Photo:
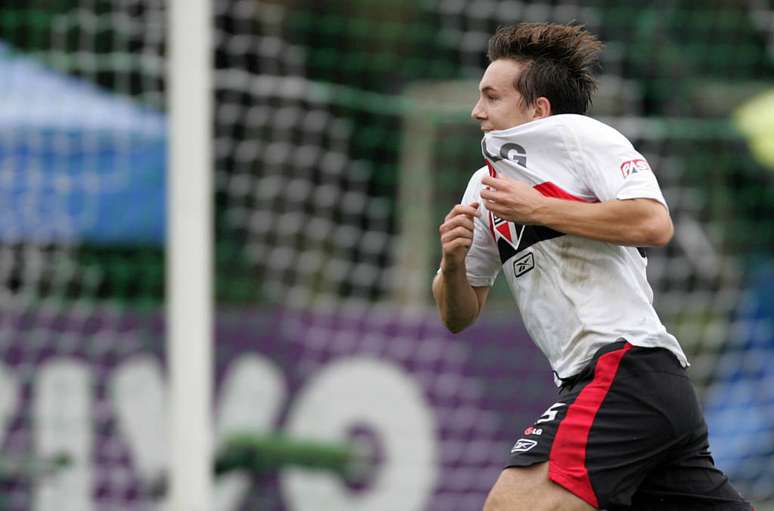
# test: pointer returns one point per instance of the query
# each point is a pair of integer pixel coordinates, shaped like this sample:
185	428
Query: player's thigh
529	489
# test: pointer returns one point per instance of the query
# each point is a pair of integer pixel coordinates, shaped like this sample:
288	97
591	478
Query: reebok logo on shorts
523	445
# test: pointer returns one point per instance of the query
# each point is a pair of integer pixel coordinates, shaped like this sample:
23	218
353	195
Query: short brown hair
560	62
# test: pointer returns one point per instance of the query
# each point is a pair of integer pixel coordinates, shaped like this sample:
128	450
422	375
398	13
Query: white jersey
574	294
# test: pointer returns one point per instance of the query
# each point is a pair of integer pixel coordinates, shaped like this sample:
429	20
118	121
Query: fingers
489	181
488	195
494	182
460	216
470	210
495	201
499	182
496	209
454	245
457	233
456	221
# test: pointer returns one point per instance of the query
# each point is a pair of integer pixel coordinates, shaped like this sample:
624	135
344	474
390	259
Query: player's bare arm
631	222
459	304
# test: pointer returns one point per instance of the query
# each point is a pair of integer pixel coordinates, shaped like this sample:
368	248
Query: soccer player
562	207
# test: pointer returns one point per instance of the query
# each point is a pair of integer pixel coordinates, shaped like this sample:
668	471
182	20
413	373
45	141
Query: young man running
563	207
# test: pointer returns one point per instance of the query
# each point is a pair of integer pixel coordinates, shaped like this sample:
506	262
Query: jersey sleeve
611	168
482	261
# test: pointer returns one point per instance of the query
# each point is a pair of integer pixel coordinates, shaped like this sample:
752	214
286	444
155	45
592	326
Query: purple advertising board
435	412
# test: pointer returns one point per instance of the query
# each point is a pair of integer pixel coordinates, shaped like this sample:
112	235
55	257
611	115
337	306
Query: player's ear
542	108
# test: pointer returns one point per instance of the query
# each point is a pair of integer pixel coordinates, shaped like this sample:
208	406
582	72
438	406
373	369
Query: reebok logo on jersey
633	167
523	265
523	445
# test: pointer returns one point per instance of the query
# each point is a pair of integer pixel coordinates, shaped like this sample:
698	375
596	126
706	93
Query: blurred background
342	137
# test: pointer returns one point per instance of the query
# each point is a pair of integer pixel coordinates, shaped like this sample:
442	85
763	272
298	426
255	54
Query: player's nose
478	113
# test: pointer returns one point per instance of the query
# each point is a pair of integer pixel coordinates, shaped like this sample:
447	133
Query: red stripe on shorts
567	461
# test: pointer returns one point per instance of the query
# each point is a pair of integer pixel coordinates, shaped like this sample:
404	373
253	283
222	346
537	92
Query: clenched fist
456	234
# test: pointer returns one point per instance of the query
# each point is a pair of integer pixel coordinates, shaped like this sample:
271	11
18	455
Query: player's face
500	106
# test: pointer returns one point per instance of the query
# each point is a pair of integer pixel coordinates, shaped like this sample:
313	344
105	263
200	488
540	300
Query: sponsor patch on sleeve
634	167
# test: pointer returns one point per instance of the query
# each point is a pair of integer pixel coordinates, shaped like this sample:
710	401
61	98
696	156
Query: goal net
342	137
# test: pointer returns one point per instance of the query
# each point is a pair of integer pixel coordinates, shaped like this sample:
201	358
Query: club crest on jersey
633	167
504	229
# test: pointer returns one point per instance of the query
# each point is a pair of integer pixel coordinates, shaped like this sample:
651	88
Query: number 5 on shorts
550	414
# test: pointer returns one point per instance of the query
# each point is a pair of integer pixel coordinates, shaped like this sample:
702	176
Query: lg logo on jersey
523	264
510	151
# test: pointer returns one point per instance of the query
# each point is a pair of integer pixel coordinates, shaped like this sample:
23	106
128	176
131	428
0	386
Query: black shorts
628	433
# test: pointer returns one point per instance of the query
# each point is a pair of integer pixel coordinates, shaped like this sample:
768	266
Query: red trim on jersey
492	173
567	460
550	189
505	230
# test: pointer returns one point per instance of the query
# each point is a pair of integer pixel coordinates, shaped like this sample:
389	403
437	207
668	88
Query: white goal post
189	255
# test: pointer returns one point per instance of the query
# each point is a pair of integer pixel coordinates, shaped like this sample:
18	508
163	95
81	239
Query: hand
512	200
456	234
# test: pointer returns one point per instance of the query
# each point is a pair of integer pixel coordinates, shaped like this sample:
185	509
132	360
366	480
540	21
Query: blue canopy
77	164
